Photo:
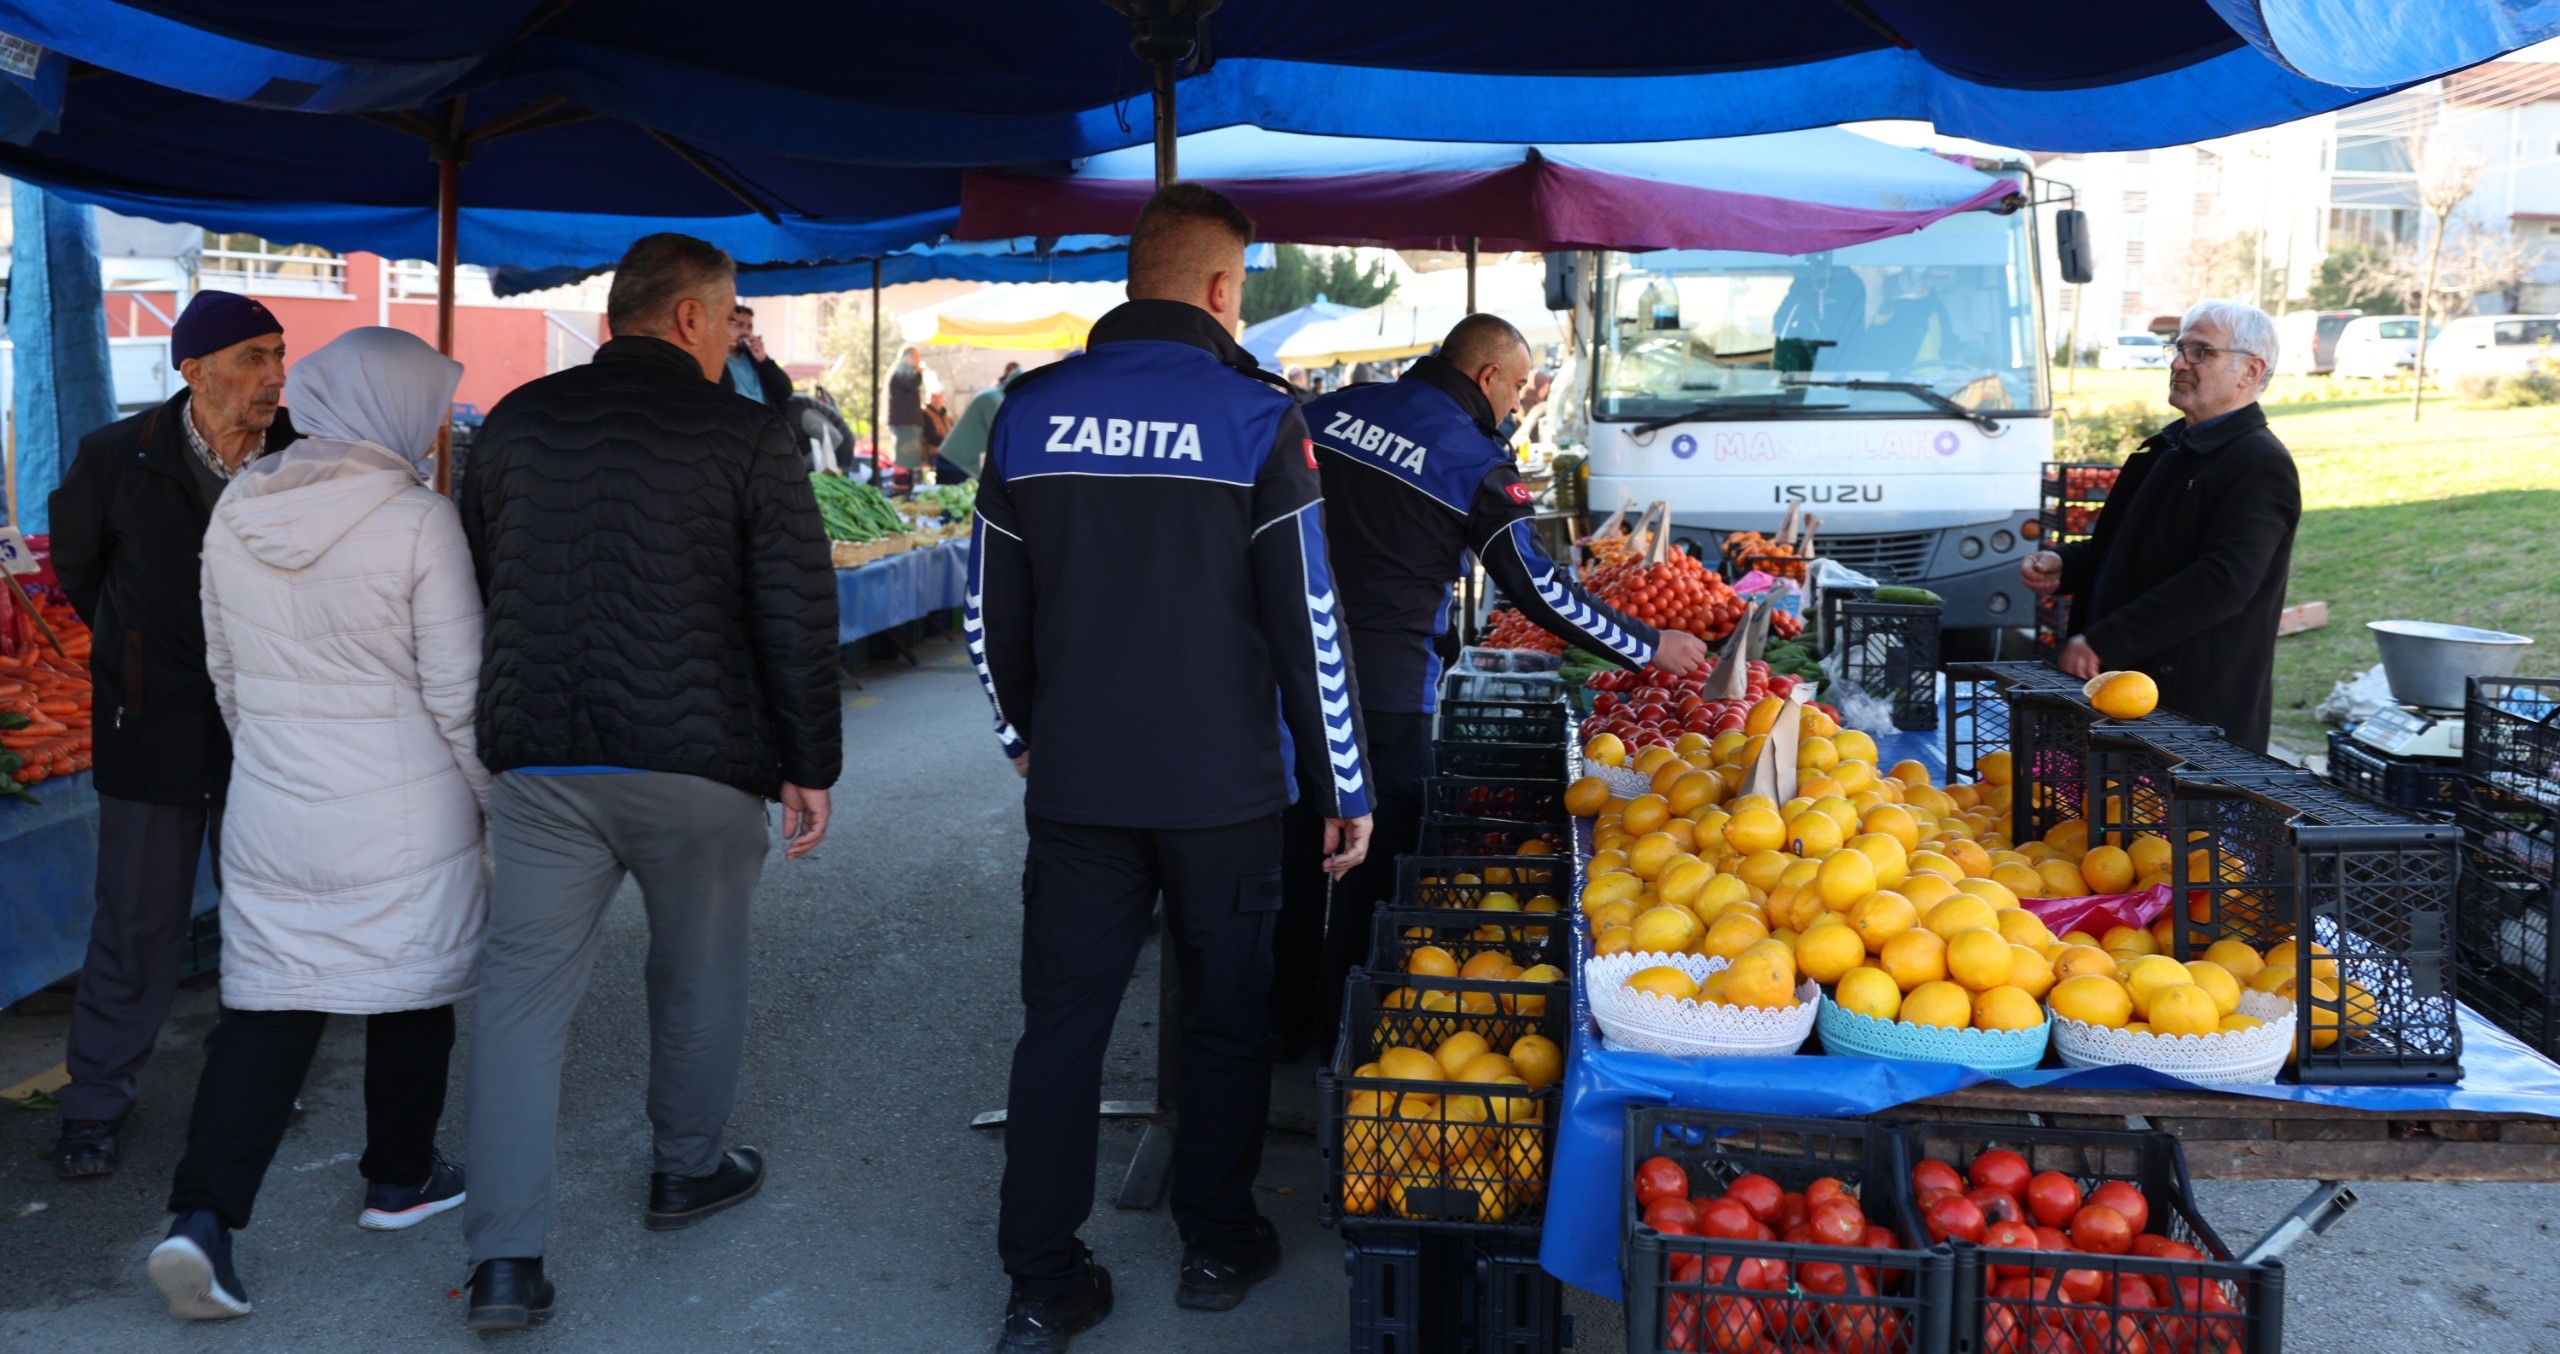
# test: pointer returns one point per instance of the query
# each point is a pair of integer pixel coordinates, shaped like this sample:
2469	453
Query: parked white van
2131	350
2492	345
2378	346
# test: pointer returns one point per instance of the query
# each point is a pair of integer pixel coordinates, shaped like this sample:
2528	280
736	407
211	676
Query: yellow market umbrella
1016	317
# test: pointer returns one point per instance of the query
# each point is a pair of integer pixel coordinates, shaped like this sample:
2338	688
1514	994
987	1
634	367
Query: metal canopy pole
1471	274
879	400
448	153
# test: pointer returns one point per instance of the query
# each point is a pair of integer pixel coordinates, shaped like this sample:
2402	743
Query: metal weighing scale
2428	664
2414	731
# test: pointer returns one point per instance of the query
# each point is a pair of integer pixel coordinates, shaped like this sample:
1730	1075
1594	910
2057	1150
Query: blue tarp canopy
1008	81
1263	340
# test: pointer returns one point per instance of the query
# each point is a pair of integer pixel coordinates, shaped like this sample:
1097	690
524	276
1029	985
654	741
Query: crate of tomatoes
1648	707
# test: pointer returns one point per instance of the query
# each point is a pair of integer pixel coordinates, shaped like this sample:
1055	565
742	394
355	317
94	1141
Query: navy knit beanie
215	320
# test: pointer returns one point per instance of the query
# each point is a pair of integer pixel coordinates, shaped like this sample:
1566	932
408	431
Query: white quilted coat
343	632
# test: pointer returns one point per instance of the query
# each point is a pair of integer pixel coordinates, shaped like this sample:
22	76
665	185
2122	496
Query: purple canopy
1784	193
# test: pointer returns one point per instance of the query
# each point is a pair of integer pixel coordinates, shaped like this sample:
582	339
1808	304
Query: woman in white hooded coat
342	627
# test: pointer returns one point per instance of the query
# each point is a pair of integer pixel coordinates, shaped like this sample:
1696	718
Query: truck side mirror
1561	280
2071	244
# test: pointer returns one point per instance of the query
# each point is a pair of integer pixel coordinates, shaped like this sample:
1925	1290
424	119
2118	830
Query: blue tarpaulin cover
887	593
51	847
64	386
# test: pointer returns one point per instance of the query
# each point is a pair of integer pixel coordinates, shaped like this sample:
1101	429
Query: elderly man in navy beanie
128	531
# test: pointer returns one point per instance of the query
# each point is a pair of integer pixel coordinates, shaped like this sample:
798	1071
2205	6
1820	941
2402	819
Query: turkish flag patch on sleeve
1310	445
1519	492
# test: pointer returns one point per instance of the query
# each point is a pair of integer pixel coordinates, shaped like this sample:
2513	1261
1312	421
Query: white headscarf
387	387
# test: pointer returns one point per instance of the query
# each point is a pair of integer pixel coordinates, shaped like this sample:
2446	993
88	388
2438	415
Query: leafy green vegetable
854	512
956	502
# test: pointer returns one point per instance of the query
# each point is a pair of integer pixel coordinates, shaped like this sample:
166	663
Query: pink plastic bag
2097	913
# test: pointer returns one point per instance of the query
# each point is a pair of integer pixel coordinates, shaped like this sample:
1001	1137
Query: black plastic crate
1519	1306
1466	881
2506	910
2401	782
2152	1162
2048	760
1890	651
1396	932
2301	859
2052	625
1412	1153
1500	759
1415	1292
1501	799
1828	606
2084	482
2511	735
1450	835
1537	724
2132	765
1677	1300
1977	717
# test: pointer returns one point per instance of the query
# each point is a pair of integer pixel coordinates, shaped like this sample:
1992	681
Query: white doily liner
2219	1059
1850	1034
1652	1024
1623	782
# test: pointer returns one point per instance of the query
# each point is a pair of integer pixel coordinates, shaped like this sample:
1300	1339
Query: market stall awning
1391	330
1029	317
1008	81
1263	340
1784	193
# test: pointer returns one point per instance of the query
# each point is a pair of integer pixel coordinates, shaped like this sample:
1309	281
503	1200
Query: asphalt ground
884	1013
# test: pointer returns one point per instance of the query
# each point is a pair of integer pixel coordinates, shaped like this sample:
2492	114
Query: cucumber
1909	596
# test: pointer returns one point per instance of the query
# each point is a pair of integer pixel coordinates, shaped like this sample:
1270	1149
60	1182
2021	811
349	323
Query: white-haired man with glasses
2184	574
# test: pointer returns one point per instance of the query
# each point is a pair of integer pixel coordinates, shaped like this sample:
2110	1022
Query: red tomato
1866	1330
1758	1193
1798	1235
1997	1205
1684	1268
2124	1199
1658	1177
2148	1244
1837	1222
1666	1213
2002	1330
2009	1235
2101	1230
1955	1216
2081	1285
1726	1219
2052	1238
1929	1175
1823	1277
1825	1188
1880	1239
1730	1326
2000	1169
1931	1196
1761	1231
2178	1250
2052	1198
1791	1211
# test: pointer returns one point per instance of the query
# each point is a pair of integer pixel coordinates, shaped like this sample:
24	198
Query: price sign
15	555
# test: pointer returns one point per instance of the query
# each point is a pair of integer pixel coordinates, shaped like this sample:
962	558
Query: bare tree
2447	172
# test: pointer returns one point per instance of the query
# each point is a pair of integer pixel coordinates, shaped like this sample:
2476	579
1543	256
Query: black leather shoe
1045	1325
1215	1281
677	1201
87	1148
509	1295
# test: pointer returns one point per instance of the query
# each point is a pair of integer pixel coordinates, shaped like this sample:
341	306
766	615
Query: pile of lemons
1395	1141
2132	982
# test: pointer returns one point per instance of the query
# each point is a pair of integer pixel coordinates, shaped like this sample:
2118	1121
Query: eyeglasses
2193	352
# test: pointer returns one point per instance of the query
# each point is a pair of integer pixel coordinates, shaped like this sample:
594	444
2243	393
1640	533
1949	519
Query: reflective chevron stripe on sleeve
974	628
1566	601
1333	671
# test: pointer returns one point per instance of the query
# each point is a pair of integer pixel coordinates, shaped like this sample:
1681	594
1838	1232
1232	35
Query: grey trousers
562	846
147	858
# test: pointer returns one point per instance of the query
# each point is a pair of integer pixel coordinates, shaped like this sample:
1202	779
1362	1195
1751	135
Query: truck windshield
1950	308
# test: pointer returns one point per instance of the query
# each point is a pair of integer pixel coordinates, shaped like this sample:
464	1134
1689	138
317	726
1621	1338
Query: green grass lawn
2447	519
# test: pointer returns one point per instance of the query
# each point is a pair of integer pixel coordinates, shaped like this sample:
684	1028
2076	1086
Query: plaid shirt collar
204	450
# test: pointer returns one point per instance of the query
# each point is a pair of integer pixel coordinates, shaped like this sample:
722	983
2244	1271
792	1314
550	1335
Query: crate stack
2402	782
2507	905
2133	769
2068	502
1438	1184
1978	707
1888	650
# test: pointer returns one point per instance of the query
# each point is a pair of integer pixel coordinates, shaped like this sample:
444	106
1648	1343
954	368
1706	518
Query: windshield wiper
1725	409
1925	394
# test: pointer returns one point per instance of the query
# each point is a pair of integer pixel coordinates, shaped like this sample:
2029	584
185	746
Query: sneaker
1215	1281
87	1148
388	1208
682	1200
509	1295
1045	1325
193	1269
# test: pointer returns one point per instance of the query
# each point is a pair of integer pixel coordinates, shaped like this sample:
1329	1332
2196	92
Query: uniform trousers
1086	895
255	1062
147	860
1320	942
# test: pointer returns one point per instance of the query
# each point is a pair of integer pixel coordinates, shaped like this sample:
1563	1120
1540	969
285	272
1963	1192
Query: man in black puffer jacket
661	660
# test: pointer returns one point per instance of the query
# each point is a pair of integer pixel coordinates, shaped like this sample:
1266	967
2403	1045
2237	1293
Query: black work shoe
509	1295
388	1208
1214	1281
193	1269
682	1200
1044	1325
87	1148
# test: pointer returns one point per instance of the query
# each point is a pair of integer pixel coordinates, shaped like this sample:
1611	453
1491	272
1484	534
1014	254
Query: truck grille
1889	557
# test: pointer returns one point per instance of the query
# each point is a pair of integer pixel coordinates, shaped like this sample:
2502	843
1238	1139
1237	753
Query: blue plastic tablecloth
1580	1246
888	593
48	883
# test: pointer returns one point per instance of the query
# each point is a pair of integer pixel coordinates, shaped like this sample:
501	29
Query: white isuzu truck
1897	390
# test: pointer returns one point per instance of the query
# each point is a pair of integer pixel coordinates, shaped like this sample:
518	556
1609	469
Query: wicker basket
855	554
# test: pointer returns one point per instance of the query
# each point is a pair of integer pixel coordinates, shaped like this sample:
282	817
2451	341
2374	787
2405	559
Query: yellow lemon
1895	821
1719	890
1616	912
1762	869
1489	964
1459	1050
1662	980
1926	890
2326	970
1979	959
1764	715
1757	828
1409	1064
2018	926
1651	759
2149	854
1607	749
2020	880
2147	974
1666	928
1652	854
1973	858
2126	941
1909	772
1869	992
1845	877
1839	810
1914	957
2030	971
2184	1009
2235	956
1711	992
1585	797
1960	913
2006	1008
1683	880
1827	952
2070	837
1854	744
2092	1000
1813	834
2107	869
1540	1062
2122	695
1610	888
1855	775
2217	983
1646	813
1992	891
1683	833
2061	879
1612	940
1431	961
1939	1003
1993	767
1880	916
1892	863
1732	934
1762	978
1799	872
1725	747
1694	790
1816	754
2233	1024
1936	862
2275	978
